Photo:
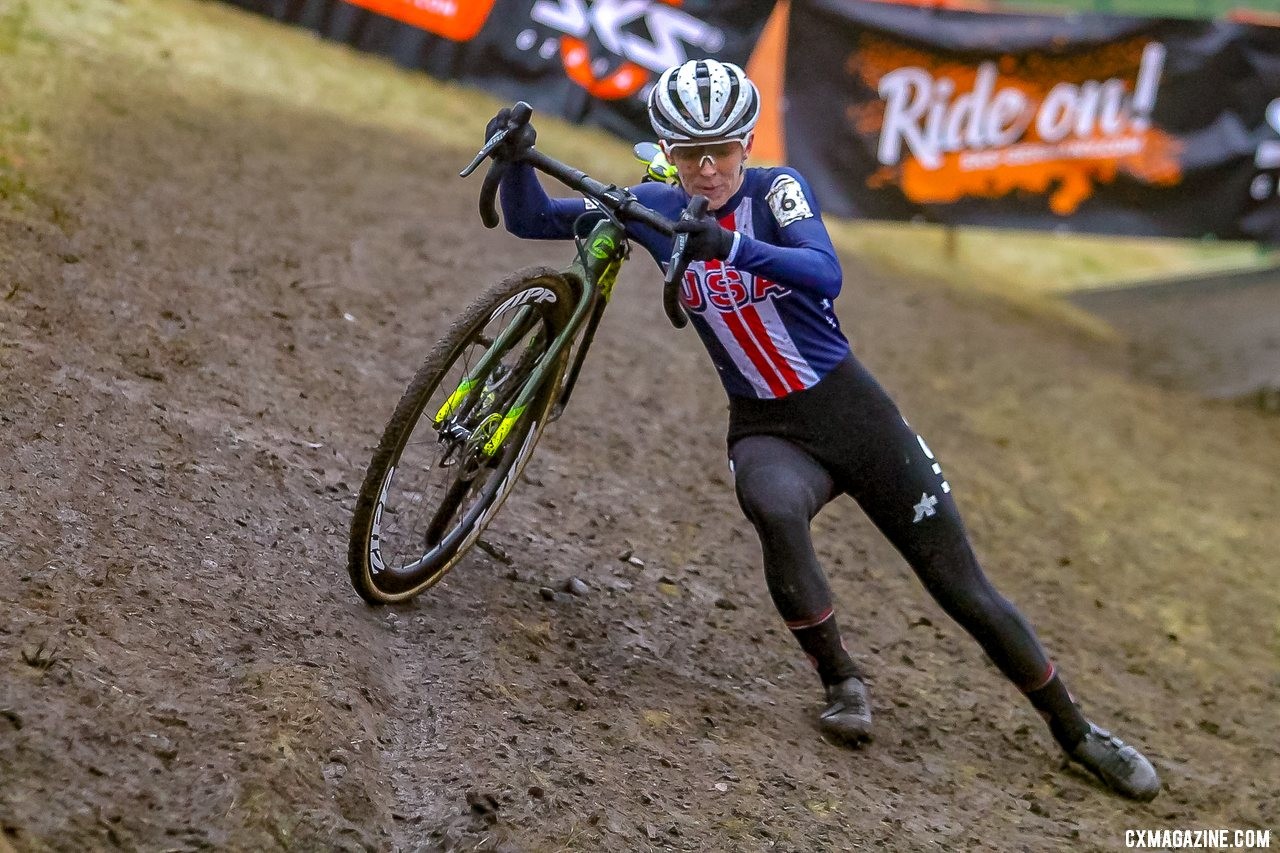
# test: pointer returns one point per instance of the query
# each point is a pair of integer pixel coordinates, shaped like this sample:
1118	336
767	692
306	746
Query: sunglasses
688	155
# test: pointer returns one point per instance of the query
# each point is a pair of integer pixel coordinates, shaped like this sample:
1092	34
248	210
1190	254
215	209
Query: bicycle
477	406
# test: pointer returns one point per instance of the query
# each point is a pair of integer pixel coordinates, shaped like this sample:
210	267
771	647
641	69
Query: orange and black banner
1087	123
586	60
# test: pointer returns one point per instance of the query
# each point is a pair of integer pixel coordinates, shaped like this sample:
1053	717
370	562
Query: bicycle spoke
456	493
435	484
469	421
434	494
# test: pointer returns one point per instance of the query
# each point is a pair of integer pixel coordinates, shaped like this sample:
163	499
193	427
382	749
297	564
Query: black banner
586	60
1093	123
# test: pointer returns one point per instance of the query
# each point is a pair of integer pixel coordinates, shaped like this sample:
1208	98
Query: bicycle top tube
617	203
615	199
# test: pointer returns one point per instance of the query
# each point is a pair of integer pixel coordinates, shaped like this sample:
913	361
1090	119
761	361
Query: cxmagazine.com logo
642	39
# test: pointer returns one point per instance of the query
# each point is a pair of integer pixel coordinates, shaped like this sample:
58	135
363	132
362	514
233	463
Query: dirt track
1216	334
211	312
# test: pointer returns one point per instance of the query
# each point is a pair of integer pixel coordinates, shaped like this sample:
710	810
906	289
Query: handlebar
617	200
679	261
520	115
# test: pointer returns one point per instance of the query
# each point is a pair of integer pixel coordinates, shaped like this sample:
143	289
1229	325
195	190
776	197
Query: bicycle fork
595	273
489	436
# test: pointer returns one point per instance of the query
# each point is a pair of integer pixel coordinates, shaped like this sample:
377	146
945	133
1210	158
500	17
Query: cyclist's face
713	169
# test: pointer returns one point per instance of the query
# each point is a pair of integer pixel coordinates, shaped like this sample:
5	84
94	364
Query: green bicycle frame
594	272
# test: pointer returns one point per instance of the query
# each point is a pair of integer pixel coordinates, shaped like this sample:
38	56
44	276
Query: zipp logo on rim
376	564
614	22
524	297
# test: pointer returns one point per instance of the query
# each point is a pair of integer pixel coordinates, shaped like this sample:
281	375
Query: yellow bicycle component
661	170
455	400
657	166
607	277
504	429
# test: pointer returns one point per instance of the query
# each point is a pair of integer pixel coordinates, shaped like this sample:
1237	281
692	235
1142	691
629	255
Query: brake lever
520	114
679	262
519	117
494	142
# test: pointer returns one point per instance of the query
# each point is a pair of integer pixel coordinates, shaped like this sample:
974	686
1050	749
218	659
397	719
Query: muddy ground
1218	334
211	301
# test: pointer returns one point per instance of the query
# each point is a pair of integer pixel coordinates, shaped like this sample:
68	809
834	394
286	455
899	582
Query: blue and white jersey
765	313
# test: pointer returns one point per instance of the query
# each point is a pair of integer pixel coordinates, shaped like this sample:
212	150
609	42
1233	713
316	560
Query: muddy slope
209	313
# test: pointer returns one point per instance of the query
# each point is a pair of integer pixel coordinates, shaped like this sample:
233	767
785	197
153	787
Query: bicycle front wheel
456	444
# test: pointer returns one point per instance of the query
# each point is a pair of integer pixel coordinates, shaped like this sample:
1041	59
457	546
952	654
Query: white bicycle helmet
703	100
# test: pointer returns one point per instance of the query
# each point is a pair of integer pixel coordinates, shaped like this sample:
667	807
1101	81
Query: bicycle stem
617	202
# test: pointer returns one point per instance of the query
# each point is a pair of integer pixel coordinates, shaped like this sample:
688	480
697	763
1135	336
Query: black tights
781	488
845	435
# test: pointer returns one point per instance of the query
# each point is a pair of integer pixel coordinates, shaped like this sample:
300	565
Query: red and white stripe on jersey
754	334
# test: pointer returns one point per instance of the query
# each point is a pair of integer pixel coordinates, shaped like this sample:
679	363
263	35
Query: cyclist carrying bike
807	422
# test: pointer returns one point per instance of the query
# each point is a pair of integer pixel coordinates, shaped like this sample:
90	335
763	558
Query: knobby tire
411	416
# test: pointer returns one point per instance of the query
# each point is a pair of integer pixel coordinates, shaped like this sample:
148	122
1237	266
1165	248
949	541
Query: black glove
708	240
517	141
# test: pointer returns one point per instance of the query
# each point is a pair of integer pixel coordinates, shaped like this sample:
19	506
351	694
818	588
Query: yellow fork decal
504	429
455	400
608	276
